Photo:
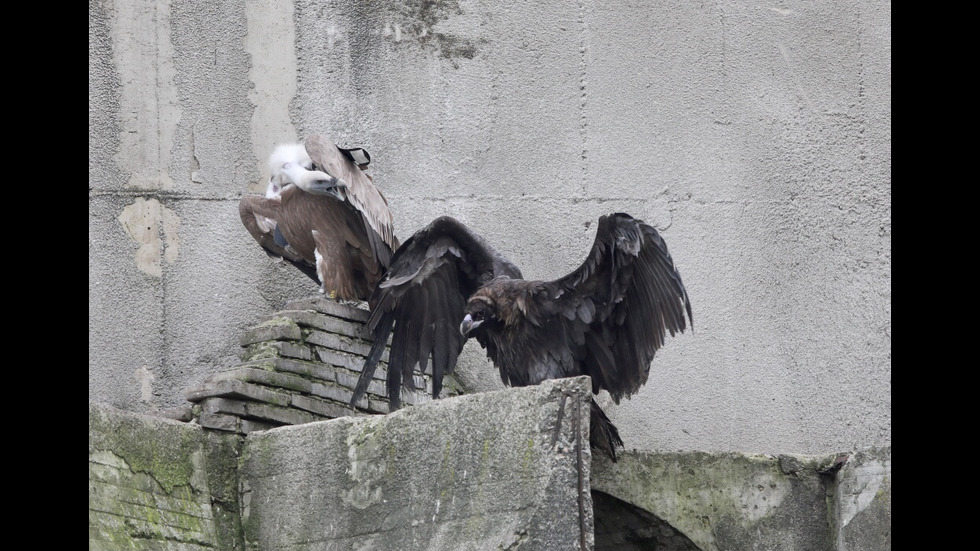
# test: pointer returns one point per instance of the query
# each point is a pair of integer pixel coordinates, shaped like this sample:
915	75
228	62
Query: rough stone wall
725	501
485	471
251	468
756	136
862	505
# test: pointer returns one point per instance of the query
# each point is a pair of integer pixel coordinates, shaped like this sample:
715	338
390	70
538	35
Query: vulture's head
315	182
283	154
480	310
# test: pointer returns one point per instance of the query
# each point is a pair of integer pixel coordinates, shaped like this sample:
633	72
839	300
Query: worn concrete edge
154	479
698	492
555	429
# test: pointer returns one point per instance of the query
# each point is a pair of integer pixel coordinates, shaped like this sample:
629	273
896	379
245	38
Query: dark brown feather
444	261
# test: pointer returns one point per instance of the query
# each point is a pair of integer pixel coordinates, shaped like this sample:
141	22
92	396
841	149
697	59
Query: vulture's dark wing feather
420	303
622	300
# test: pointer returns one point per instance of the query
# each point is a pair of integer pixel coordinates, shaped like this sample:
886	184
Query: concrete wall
484	471
757	136
496	470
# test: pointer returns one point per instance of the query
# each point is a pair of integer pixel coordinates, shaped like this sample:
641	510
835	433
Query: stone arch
622	526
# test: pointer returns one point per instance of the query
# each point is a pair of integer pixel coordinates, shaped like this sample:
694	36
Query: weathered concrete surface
159	484
497	470
485	471
730	501
756	136
863	502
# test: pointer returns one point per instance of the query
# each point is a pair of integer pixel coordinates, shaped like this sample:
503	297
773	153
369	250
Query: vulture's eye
479	315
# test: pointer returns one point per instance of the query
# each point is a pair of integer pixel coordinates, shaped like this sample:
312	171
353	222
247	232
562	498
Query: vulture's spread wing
360	191
260	216
420	303
620	303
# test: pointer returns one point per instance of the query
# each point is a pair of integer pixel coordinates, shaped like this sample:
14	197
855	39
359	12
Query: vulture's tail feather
381	333
603	435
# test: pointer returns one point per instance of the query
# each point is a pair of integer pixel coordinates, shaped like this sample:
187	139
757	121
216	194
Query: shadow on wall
621	526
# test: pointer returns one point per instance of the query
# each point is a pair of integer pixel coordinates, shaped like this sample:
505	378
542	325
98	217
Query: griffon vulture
605	319
324	215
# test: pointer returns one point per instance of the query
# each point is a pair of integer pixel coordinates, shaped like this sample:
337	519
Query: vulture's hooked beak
330	186
468	325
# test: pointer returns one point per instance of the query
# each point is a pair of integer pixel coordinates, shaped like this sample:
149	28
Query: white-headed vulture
325	216
606	319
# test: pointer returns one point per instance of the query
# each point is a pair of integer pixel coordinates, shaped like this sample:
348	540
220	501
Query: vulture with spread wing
325	216
606	319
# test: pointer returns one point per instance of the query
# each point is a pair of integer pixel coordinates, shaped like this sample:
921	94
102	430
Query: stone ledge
299	365
494	470
464	473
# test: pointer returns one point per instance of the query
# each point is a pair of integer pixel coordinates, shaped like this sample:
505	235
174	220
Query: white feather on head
282	154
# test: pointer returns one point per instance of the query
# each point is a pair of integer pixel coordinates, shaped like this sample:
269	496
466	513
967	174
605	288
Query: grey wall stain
154	228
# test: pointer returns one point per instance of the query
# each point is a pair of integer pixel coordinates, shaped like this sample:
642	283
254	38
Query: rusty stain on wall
154	228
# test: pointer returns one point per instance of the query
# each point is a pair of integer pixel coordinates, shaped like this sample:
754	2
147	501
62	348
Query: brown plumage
606	319
324	215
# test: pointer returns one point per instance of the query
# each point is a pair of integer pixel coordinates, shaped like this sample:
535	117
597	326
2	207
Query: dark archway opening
620	526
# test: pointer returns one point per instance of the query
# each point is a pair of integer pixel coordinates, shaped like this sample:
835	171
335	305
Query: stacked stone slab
300	365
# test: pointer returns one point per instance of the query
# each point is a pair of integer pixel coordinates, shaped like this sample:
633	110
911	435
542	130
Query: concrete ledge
497	470
148	485
723	501
862	504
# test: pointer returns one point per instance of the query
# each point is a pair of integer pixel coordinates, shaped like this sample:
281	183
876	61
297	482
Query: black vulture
606	319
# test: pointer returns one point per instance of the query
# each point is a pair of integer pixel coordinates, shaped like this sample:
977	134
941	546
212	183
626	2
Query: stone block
223	405
220	421
276	349
268	378
349	361
326	408
278	414
338	342
234	388
313	370
330	307
278	328
148	488
307	318
495	470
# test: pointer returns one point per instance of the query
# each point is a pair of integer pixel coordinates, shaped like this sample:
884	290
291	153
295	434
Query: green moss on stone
276	321
261	351
164	453
528	455
159	462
